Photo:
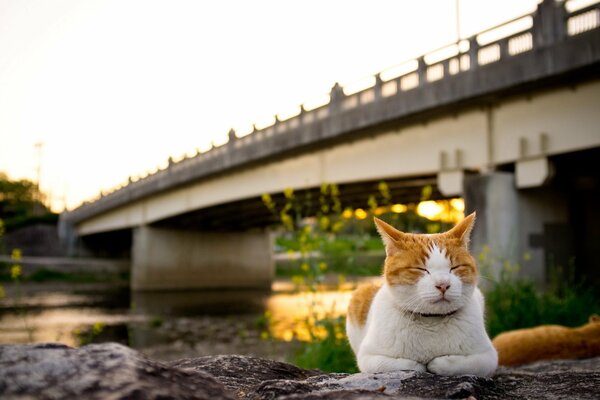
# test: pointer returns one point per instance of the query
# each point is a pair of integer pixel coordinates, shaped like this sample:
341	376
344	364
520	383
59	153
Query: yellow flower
334	190
16	255
2	293
298	280
288	193
426	192
98	328
324	187
322	266
348	213
399	208
268	201
15	271
360	213
305	267
526	256
337	226
324	223
264	335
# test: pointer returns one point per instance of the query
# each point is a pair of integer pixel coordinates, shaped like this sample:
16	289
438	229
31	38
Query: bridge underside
230	245
252	213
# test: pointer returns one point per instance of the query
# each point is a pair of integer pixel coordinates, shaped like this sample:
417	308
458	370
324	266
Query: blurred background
197	178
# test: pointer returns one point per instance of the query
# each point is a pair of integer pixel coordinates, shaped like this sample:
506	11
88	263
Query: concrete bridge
507	119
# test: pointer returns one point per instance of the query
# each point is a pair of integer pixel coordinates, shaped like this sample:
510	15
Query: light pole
38	147
457	6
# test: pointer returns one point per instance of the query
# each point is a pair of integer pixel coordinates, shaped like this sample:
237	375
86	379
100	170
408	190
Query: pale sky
114	87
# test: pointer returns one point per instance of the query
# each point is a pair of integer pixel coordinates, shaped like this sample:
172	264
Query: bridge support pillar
527	227
169	259
495	199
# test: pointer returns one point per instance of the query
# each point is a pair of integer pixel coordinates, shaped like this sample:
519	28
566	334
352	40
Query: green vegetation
329	353
515	303
22	204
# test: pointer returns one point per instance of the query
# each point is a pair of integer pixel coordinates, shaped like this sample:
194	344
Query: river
169	325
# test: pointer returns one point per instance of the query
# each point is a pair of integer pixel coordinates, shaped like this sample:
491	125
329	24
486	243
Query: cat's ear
462	230
389	235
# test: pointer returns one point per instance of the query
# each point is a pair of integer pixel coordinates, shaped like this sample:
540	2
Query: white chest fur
393	339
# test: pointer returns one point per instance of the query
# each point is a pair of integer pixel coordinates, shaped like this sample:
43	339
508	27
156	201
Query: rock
111	371
243	374
254	378
97	371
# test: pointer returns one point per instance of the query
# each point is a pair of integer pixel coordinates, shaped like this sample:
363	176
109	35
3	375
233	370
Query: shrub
515	303
330	353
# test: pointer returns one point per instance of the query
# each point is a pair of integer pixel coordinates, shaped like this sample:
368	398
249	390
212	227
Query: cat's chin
440	306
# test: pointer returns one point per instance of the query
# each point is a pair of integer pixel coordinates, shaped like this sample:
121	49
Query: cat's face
429	274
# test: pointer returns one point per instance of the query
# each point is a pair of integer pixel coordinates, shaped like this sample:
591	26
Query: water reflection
55	315
294	314
209	302
170	325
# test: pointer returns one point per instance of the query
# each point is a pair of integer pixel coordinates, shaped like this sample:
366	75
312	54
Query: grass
517	303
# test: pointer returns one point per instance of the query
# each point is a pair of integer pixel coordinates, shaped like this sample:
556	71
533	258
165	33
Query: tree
21	203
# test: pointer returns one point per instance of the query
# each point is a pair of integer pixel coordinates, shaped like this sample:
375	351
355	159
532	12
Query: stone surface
97	371
111	371
243	374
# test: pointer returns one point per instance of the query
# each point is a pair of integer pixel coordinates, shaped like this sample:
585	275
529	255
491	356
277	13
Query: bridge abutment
170	259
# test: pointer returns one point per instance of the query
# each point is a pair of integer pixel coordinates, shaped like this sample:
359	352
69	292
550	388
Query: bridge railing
550	23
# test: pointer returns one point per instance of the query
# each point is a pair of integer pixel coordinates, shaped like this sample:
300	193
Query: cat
428	313
548	342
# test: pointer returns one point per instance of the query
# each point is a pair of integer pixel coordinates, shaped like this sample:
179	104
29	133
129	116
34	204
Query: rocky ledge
113	371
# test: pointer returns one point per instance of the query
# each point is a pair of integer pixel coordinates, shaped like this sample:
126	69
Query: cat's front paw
446	365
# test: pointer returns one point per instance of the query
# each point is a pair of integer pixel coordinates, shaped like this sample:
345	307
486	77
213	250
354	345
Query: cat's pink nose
442	287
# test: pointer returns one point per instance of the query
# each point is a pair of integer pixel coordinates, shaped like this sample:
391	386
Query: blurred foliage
21	204
515	302
330	352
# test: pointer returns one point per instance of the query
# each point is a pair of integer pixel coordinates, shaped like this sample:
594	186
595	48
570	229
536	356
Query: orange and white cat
428	313
548	342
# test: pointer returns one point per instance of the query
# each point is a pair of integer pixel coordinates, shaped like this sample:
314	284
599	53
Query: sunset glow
114	88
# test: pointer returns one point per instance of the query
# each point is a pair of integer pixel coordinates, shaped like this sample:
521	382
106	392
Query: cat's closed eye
421	269
457	267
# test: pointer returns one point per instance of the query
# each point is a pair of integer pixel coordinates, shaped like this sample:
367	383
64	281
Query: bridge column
169	259
528	227
495	199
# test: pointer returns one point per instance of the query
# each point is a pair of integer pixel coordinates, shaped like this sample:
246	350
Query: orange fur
361	302
406	253
548	342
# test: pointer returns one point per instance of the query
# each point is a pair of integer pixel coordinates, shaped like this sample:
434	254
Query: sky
113	88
